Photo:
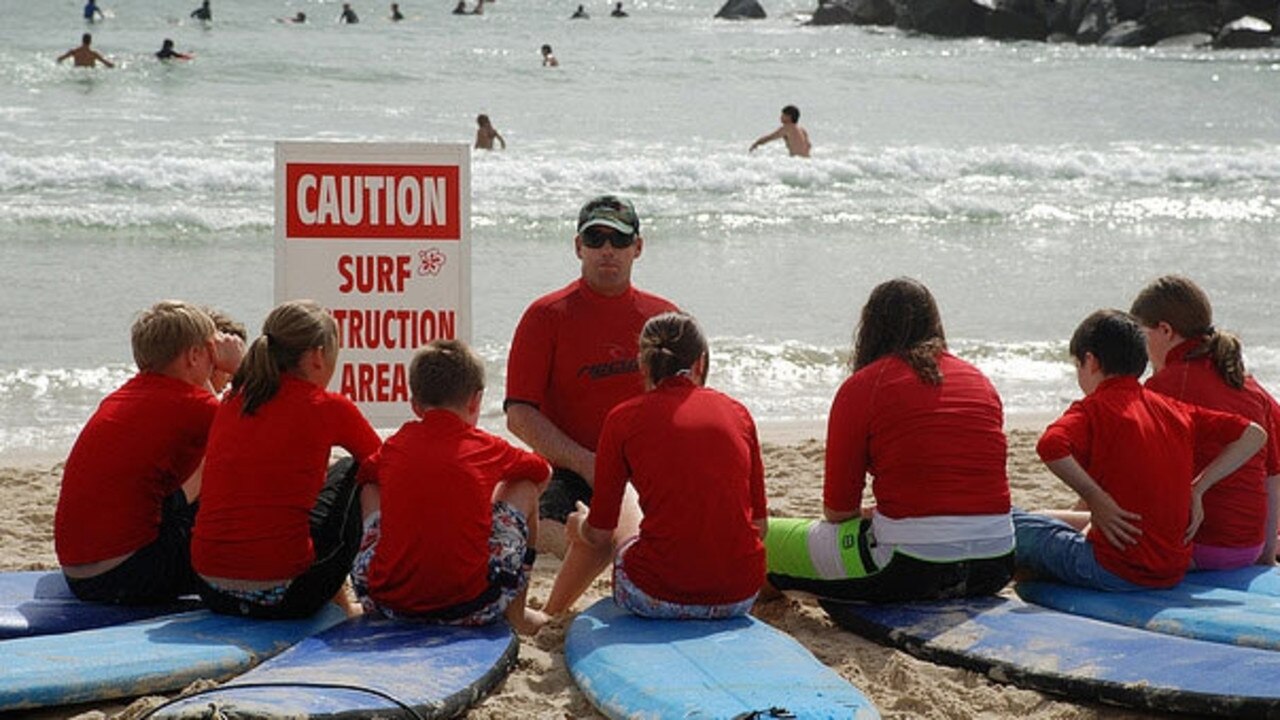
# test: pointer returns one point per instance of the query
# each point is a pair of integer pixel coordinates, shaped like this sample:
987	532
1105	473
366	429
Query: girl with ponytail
693	457
1193	361
278	528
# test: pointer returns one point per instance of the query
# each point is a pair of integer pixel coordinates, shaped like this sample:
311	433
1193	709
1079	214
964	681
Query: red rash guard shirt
931	449
1235	509
694	458
1137	445
574	356
436	477
141	444
262	474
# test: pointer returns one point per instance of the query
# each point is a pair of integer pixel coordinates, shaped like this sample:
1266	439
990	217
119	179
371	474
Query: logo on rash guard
603	370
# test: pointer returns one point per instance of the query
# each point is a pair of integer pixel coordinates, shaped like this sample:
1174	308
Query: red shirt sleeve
530	358
1068	435
1212	426
521	464
612	472
355	434
848	444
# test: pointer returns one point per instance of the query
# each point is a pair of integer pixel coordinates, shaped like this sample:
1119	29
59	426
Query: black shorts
335	534
156	573
906	578
564	490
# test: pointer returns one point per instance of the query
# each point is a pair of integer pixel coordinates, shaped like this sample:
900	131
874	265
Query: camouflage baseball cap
610	211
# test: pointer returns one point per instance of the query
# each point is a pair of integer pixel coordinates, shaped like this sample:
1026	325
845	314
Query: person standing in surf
790	132
84	55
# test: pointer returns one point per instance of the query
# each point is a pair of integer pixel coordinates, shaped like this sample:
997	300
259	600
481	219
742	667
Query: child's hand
228	351
573	523
1115	523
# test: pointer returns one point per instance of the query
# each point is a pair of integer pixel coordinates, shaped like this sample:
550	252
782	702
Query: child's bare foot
530	621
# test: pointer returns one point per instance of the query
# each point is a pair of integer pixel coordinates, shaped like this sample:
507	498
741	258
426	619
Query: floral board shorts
631	598
510	562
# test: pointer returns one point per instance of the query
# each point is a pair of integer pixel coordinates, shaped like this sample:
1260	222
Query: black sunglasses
595	238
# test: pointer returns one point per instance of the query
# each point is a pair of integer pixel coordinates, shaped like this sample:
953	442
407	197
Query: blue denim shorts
1053	549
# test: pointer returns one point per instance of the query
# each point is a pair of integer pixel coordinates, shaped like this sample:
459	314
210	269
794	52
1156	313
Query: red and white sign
379	233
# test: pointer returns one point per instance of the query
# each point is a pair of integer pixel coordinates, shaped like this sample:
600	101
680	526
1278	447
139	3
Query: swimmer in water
85	56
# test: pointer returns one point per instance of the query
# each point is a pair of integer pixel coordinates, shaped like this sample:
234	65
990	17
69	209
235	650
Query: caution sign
379	233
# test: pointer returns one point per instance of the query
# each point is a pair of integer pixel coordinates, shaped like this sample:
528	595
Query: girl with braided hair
692	455
1193	361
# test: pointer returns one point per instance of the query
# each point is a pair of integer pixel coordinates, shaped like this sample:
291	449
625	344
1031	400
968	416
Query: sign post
380	234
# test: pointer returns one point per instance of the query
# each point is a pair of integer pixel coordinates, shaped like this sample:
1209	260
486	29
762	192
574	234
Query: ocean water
1027	184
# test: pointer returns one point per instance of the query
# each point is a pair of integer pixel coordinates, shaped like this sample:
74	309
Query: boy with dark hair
1128	452
451	512
796	137
122	528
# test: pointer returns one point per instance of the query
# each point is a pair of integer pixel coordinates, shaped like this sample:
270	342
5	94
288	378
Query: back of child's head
901	318
445	373
670	343
226	324
167	329
1178	301
1115	339
792	112
290	330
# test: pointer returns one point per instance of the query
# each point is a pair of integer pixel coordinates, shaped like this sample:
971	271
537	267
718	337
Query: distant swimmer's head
482	120
546	49
167	44
901	318
609	211
1114	339
301	17
672	344
86	39
791	112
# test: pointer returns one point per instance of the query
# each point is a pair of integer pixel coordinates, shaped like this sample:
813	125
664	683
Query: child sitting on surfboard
122	529
451	512
1194	362
927	430
1128	452
693	457
275	537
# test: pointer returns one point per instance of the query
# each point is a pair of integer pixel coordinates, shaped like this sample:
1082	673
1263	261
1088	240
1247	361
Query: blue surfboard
1204	613
40	603
147	656
1258	579
366	668
1042	649
631	667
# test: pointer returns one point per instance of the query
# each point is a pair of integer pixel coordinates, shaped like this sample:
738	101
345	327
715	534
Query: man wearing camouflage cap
573	358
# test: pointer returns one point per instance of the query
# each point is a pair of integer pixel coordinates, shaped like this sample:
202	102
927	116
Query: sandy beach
540	687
